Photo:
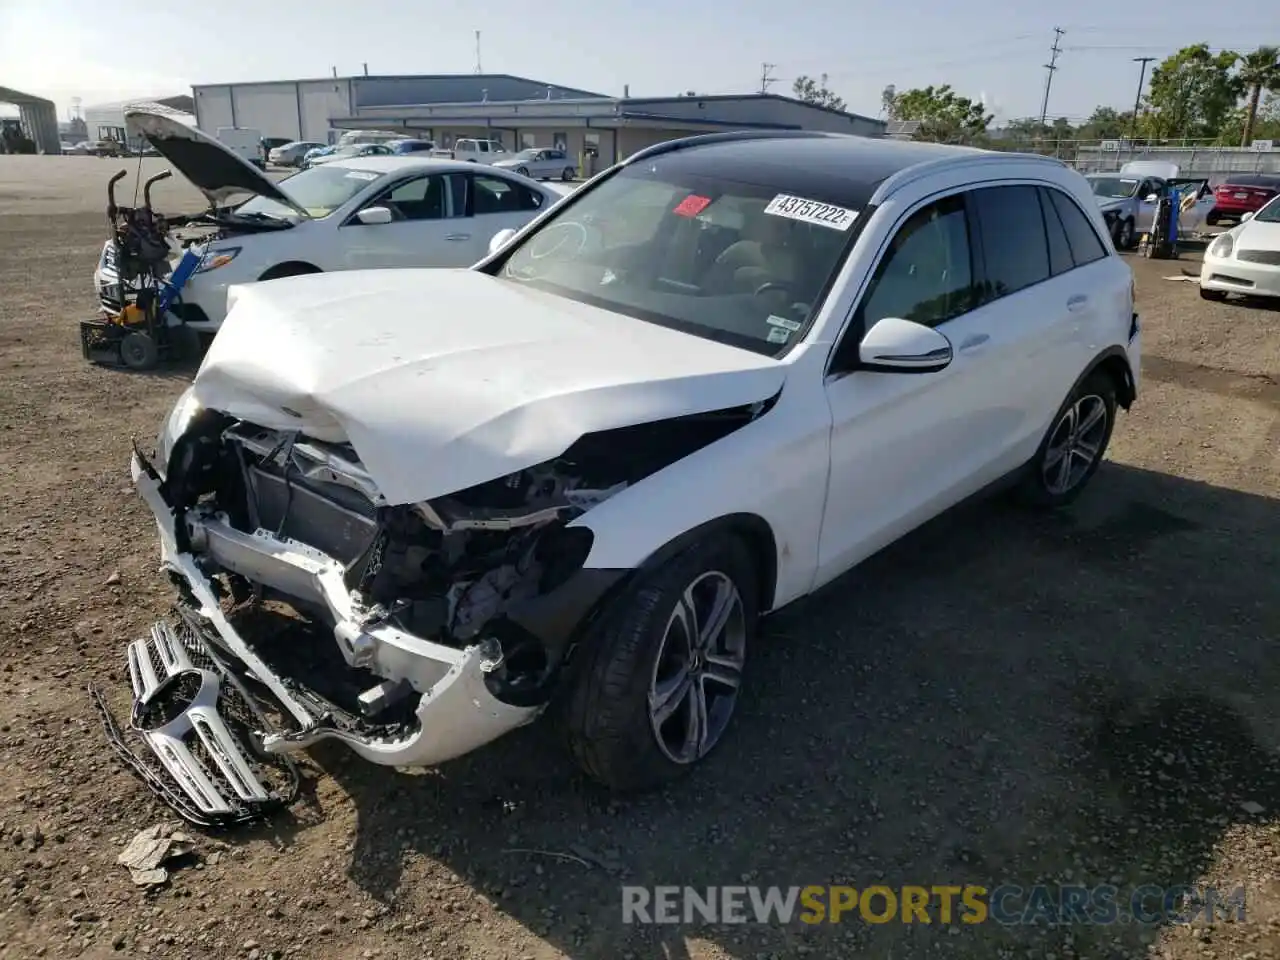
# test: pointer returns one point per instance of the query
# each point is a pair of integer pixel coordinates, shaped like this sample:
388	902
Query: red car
1242	193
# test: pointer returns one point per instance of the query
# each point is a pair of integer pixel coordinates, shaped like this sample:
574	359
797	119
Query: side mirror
374	215
1246	216
1152	198
500	239
903	346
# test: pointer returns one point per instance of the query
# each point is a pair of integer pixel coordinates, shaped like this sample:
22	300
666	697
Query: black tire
568	174
289	270
186	344
606	714
1215	295
1124	235
138	351
523	171
1036	488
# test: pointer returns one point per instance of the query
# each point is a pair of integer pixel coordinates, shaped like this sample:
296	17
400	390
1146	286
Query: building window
560	140
591	144
528	141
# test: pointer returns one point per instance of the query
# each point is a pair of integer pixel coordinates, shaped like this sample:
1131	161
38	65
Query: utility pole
765	79
1051	66
478	70
1142	76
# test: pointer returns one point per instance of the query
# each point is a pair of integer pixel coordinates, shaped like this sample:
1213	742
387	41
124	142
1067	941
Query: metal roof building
38	117
518	111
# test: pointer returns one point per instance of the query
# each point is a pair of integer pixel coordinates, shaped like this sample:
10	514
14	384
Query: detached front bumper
456	713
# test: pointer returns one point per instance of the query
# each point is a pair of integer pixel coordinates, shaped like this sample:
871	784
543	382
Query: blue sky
104	50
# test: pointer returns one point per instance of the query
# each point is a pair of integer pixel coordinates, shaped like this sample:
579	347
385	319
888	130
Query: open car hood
215	171
444	379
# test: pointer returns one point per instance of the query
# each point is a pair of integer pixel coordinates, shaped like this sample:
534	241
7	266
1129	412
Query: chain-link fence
1193	158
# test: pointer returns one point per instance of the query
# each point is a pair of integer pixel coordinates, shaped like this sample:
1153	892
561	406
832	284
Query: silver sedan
541	163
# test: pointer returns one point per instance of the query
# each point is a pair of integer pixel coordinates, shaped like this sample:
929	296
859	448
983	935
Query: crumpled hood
443	379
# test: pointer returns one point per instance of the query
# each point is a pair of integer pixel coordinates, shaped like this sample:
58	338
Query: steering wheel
567	239
772	285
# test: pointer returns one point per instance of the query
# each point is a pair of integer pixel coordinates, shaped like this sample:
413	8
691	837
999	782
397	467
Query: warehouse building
516	111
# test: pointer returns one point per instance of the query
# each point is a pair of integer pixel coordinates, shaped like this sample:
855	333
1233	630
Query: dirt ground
1000	698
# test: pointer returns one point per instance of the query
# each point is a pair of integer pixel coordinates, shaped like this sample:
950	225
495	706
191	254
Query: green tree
808	90
1259	71
945	116
1191	93
1106	123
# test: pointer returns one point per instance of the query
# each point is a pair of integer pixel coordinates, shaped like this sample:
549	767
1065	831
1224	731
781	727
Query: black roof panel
835	168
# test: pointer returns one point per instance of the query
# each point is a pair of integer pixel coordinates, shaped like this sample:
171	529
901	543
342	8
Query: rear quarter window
1014	244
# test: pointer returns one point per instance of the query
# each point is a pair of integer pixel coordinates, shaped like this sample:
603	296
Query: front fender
774	469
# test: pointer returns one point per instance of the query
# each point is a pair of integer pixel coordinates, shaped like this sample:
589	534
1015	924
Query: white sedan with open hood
576	475
353	213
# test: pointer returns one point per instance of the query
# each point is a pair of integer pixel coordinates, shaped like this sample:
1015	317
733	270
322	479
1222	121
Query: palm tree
1259	71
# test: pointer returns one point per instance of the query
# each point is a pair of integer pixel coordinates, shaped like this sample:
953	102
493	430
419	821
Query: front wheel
659	676
1215	295
523	171
568	174
1072	450
1124	234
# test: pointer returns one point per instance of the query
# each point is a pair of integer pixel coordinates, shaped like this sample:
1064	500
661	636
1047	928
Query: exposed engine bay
450	569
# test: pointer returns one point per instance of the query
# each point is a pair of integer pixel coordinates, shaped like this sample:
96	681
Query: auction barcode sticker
811	211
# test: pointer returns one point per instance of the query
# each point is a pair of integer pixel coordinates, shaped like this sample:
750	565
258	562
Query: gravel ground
1000	698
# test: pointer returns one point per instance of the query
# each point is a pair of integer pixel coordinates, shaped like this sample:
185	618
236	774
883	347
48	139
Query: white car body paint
1256	276
434	402
444	379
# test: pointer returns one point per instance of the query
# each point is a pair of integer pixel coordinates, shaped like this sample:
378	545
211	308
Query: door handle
1077	302
458	236
974	342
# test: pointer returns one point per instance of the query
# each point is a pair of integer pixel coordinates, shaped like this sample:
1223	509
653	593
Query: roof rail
732	136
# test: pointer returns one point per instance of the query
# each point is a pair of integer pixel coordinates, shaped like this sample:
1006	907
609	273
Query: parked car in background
356	211
107	148
317	152
291	154
541	163
1242	193
244	142
1128	203
407	146
79	149
352	137
1245	259
474	151
579	473
350	152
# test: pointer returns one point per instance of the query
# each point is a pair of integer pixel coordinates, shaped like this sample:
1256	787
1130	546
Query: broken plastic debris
150	849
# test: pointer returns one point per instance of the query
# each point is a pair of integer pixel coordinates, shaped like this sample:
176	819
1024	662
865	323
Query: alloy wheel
698	671
1075	444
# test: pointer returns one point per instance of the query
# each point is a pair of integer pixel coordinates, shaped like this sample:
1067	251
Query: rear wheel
523	171
659	676
1217	295
1073	448
568	174
138	351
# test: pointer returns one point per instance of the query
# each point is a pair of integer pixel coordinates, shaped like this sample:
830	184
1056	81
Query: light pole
1142	75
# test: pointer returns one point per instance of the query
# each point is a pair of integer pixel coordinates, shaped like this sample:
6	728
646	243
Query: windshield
1269	213
319	191
1114	188
742	263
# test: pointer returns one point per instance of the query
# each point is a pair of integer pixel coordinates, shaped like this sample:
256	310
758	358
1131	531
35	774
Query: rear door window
1015	248
1082	238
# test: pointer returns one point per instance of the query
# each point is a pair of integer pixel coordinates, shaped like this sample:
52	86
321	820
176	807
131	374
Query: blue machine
173	284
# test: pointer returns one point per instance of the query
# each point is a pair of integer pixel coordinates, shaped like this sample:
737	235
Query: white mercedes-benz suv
576	475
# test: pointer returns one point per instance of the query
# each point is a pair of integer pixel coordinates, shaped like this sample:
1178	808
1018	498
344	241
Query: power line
765	79
1052	67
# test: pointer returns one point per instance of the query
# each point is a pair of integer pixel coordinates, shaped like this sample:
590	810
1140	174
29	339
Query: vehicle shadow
1001	698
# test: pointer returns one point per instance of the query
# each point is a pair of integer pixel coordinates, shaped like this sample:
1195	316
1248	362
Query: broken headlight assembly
213	259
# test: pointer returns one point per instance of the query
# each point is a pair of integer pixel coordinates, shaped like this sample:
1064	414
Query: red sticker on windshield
691	206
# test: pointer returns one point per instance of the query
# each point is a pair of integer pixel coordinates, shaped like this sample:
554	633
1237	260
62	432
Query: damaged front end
428	629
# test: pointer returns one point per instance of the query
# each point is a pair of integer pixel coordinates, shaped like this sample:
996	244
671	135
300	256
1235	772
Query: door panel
415	239
905	446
